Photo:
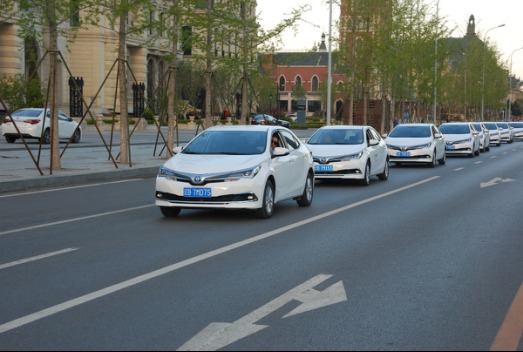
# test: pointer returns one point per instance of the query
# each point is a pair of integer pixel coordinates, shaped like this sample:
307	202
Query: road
429	260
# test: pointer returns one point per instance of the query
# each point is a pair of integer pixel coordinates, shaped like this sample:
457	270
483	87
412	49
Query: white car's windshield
410	132
228	143
454	129
337	136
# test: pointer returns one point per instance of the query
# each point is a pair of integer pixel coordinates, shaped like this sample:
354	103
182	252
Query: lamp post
329	69
510	86
270	104
483	77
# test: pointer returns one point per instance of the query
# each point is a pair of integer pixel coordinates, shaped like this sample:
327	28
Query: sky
487	13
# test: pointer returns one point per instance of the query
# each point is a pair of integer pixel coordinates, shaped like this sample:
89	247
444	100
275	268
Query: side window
368	135
291	142
375	134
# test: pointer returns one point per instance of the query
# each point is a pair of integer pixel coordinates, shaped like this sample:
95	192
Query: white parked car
30	123
495	132
237	167
349	152
484	136
460	138
416	143
506	132
517	129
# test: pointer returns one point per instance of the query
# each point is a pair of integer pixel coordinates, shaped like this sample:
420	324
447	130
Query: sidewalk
86	162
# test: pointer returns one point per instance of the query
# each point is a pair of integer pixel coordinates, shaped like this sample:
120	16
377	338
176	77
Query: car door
66	125
296	165
378	153
439	142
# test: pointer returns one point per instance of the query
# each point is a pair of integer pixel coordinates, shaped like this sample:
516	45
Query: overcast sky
487	14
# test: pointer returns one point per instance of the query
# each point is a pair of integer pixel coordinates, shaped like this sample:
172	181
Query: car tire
477	152
10	139
384	176
267	208
308	192
366	176
77	135
443	160
46	137
433	161
487	148
170	212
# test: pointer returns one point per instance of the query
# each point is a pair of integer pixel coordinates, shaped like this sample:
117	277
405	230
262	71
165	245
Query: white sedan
461	138
30	124
416	143
349	152
237	167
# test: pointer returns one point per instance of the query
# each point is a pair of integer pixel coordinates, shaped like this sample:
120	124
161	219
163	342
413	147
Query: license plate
324	168
403	154
450	147
197	192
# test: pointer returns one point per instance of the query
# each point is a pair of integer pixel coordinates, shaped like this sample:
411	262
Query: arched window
281	86
315	84
297	81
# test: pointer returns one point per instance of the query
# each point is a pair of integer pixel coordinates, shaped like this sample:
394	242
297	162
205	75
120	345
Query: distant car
460	138
416	143
30	123
236	167
264	119
495	132
506	132
517	130
484	136
349	152
293	117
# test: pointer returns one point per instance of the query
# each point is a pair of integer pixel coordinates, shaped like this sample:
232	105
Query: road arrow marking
495	181
219	335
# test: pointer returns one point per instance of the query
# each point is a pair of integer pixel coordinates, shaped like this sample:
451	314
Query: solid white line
459	169
13	324
66	188
38	257
75	219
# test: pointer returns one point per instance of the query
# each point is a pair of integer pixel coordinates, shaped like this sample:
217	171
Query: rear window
27	113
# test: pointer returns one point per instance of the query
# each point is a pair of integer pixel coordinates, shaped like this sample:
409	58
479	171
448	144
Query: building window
315	84
187	40
297	82
281	86
75	13
201	4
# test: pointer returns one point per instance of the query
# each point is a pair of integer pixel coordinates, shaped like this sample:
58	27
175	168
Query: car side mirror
279	151
373	142
177	150
384	135
438	135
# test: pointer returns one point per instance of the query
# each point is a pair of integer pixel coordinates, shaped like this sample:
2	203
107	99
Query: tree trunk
171	115
53	47
122	85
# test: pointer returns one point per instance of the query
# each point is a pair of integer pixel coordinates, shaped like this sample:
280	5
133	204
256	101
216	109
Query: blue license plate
323	168
450	147
403	154
197	192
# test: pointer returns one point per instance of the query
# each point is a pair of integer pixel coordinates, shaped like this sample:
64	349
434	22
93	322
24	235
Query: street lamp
483	79
270	104
510	86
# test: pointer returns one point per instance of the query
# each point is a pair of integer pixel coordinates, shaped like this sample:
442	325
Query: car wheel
443	160
499	144
384	176
366	175
477	152
487	148
77	135
46	137
170	212
472	153
433	161
10	139
267	208
306	198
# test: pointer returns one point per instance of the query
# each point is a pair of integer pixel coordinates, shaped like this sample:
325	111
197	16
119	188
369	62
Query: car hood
457	137
333	150
407	142
212	164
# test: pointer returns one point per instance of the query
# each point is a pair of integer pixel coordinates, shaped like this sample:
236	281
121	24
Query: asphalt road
428	260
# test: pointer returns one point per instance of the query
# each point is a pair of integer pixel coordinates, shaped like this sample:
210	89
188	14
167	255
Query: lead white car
235	167
349	152
461	138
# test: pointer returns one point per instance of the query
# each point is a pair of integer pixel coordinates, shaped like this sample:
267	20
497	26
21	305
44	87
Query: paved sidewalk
86	162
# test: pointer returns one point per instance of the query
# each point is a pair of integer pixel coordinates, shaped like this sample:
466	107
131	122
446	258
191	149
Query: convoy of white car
255	167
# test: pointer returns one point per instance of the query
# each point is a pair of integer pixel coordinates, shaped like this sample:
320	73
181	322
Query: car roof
246	128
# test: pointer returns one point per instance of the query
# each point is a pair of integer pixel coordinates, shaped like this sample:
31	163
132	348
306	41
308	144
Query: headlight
465	140
247	173
428	145
167	173
352	156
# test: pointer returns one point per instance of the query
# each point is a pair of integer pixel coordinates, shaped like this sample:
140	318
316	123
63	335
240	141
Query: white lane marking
13	324
218	335
494	182
75	219
38	257
478	162
459	169
30	193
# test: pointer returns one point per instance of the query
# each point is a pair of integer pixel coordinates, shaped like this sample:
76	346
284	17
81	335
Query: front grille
245	197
